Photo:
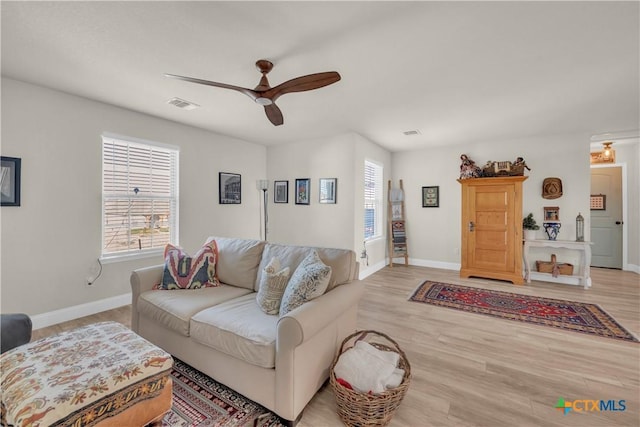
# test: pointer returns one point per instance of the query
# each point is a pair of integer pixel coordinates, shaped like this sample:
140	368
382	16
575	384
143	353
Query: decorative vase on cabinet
492	228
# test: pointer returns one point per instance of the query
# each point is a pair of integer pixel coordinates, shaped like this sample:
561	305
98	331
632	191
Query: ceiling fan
265	95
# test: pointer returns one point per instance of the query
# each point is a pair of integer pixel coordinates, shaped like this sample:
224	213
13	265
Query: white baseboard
434	264
632	267
70	313
366	272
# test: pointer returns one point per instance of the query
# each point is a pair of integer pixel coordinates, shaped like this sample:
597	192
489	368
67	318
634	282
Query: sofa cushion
342	261
272	286
309	281
240	329
238	261
174	308
182	271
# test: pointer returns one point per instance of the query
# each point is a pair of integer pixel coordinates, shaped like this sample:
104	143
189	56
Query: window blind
372	200
139	197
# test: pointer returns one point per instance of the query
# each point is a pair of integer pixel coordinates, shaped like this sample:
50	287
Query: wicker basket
548	267
362	409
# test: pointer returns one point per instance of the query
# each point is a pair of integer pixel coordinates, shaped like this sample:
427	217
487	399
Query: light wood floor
474	370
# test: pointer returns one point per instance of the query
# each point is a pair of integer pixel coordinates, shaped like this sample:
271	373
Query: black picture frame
229	188
431	196
281	192
10	170
303	191
328	191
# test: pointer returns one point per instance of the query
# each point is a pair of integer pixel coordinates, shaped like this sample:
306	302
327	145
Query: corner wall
51	242
433	234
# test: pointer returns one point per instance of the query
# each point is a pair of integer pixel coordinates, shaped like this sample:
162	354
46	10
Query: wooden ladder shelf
397	225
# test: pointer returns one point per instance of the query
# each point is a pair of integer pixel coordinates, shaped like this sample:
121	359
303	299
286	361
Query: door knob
471	225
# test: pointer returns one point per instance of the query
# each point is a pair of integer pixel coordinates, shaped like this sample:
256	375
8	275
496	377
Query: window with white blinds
139	197
372	200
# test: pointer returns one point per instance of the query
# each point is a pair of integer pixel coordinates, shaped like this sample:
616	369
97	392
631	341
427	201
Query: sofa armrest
305	321
142	280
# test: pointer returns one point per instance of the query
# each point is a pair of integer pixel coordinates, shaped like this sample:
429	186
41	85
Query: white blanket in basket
368	369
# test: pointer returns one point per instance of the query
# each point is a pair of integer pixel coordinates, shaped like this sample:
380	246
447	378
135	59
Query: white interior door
606	225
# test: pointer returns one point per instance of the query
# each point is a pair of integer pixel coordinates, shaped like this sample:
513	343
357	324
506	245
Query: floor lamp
263	185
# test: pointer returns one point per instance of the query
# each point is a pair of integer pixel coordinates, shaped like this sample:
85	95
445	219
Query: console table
583	275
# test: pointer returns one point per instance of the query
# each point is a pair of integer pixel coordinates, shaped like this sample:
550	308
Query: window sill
373	239
111	259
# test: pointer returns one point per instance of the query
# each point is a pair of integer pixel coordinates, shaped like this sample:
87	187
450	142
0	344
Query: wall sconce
263	184
607	155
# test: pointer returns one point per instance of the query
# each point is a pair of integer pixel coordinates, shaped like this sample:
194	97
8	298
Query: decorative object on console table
551	188
554	267
10	181
552	229
302	191
431	197
529	226
328	190
551	213
281	192
230	188
579	228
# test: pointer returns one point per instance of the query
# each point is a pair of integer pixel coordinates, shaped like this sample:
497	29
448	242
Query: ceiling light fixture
607	155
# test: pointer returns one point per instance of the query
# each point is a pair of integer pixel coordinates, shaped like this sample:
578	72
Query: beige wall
51	242
434	233
340	225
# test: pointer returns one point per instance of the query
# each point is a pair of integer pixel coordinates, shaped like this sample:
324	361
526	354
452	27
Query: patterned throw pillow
184	272
272	285
309	281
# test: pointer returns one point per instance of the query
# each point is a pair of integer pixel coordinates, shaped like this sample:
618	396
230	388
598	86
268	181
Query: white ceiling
458	72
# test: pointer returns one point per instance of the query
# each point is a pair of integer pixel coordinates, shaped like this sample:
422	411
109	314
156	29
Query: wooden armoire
492	228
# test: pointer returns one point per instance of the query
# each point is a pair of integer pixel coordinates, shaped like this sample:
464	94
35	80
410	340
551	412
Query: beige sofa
279	362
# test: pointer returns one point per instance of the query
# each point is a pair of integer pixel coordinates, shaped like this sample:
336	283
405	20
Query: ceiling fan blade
250	93
274	114
301	84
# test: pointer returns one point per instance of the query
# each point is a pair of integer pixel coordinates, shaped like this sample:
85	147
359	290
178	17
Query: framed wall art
328	190
551	213
303	189
281	192
431	197
230	188
10	181
598	202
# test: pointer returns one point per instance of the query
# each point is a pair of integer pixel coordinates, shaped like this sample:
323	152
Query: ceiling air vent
181	103
411	132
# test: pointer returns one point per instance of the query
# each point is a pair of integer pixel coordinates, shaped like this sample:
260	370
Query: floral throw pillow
272	286
309	281
182	271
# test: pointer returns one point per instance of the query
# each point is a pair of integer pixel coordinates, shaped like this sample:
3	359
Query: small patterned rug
200	401
567	315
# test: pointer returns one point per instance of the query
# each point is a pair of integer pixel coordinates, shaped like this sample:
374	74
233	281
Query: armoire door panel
491	228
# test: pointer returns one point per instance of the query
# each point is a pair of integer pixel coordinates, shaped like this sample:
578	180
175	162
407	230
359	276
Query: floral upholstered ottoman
98	375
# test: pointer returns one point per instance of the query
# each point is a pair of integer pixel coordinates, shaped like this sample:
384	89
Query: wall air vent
181	103
411	132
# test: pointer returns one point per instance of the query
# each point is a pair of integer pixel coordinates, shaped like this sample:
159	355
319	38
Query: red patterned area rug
200	401
561	314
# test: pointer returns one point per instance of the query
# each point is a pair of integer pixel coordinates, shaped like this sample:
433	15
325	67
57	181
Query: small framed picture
431	197
328	190
598	202
551	213
10	181
303	191
281	192
230	190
